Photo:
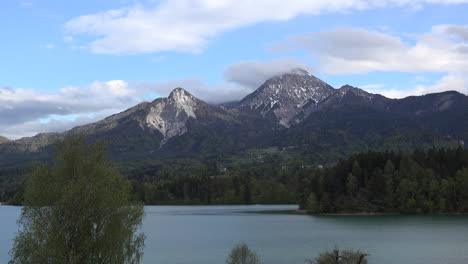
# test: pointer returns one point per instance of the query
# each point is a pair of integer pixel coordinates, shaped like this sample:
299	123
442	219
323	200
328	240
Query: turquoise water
205	234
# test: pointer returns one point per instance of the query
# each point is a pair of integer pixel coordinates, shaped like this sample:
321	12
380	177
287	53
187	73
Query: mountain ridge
291	109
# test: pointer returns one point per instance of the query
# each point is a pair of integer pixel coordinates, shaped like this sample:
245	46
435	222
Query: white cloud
450	82
49	46
240	79
26	4
372	86
58	124
211	93
253	73
25	107
356	50
68	38
116	88
420	78
456	31
188	25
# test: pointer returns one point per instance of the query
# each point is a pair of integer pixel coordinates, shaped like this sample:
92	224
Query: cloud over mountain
254	72
449	82
358	51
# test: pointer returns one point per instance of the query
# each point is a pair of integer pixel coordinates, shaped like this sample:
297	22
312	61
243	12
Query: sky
68	63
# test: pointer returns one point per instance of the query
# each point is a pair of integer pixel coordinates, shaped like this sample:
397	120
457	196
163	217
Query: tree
460	190
312	204
247	192
242	254
389	170
341	257
78	211
356	171
325	203
351	185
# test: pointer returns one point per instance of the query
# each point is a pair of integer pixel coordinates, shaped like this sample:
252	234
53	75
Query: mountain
170	115
291	97
179	125
3	139
161	119
283	97
294	111
348	94
445	113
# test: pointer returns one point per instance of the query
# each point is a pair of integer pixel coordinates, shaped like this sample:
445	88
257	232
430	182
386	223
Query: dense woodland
429	181
12	185
262	182
432	181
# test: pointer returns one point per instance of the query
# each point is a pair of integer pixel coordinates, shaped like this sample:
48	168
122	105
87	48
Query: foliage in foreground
78	212
242	254
340	257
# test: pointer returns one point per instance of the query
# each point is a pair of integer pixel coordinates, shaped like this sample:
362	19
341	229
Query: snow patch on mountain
284	95
348	89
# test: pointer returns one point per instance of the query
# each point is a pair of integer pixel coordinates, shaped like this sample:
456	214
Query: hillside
294	110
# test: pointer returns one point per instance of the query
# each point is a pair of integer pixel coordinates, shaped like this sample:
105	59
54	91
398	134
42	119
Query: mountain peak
170	115
179	94
356	90
3	139
347	86
293	72
285	95
299	71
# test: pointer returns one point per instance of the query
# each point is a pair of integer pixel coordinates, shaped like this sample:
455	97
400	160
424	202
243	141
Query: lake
205	235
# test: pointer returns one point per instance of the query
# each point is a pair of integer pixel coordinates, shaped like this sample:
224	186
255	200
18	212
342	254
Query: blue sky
66	63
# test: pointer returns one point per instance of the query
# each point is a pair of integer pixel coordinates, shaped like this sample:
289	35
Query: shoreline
297	211
305	212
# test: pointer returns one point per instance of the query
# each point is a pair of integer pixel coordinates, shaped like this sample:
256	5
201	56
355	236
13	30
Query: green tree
78	211
341	257
356	171
460	190
303	192
351	185
325	203
312	204
242	254
247	191
389	170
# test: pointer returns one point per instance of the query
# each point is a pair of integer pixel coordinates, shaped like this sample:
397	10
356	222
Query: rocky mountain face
291	97
3	139
163	118
170	115
285	96
133	126
294	110
180	124
348	94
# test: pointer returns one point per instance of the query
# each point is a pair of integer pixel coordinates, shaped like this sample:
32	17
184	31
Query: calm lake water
205	234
